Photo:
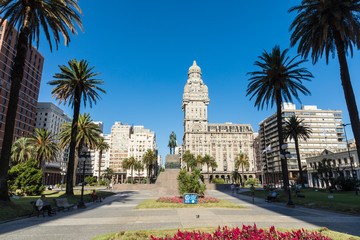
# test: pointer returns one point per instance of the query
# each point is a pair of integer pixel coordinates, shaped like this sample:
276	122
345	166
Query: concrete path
116	213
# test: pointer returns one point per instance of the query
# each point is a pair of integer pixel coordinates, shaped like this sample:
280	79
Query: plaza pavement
116	213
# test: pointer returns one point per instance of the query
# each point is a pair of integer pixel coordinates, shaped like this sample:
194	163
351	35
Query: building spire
194	69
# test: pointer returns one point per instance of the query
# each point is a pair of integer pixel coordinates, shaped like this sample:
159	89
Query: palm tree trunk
348	91
242	173
15	79
284	167
299	162
148	175
74	127
132	175
100	156
208	172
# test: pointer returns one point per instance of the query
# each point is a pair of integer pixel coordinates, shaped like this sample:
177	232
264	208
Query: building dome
194	69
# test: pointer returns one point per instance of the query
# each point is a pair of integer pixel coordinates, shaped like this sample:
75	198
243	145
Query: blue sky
143	50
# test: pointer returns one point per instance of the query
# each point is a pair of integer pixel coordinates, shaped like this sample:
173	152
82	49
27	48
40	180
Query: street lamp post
81	203
284	155
351	162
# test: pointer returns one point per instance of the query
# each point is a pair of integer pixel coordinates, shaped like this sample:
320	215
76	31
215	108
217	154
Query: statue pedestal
172	161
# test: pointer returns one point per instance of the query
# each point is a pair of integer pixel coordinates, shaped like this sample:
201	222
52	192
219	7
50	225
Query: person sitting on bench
95	196
41	206
271	196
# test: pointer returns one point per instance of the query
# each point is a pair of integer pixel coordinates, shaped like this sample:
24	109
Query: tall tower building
195	101
25	117
221	141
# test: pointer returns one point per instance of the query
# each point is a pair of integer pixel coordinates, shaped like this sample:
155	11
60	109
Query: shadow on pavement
26	222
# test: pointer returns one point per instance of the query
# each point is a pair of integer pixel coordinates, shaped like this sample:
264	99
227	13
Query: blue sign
190	198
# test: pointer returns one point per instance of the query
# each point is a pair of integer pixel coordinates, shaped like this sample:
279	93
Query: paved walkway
116	213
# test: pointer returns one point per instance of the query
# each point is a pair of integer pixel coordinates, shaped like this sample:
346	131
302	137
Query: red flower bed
246	233
177	199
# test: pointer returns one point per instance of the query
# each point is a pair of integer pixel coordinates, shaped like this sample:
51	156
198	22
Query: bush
247	232
190	182
103	182
91	180
347	183
218	181
253	181
27	178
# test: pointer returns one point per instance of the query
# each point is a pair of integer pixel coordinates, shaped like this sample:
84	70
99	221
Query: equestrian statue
172	143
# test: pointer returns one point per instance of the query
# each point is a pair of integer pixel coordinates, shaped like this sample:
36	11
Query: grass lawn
146	234
152	203
346	202
22	207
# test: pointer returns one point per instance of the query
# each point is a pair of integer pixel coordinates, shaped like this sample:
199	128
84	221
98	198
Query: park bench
62	204
38	212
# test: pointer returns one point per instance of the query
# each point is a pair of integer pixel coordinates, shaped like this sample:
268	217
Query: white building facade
221	141
130	141
327	133
51	117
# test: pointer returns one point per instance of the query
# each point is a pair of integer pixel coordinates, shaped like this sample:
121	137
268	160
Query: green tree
26	177
74	83
235	176
189	160
21	150
253	181
149	160
101	146
108	174
45	147
91	180
87	134
329	26
190	182
208	160
324	172
295	129
129	164
242	161
139	166
279	79
29	16
213	165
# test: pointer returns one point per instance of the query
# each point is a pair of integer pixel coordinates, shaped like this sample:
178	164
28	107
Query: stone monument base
172	161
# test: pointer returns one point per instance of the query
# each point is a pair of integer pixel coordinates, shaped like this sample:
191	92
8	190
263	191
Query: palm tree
56	17
139	166
189	159
279	79
21	150
129	164
213	165
242	161
45	146
294	129
101	146
207	159
149	160
87	134
73	83
326	26
108	173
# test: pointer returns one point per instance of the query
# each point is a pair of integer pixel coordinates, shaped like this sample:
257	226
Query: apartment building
29	92
327	133
51	117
